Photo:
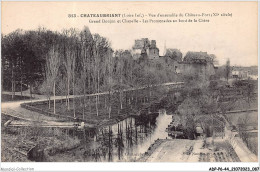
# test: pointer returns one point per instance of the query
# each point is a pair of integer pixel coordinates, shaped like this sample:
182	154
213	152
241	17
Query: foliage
174	54
189	110
201	56
227	70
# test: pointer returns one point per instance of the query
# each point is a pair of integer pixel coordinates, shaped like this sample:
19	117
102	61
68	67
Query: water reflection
128	139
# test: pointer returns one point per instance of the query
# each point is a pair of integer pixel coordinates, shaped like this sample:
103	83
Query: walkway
174	151
13	107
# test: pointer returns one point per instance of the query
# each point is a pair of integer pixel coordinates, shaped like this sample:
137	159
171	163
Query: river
124	141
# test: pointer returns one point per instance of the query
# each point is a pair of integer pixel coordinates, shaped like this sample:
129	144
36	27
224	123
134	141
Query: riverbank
122	142
48	141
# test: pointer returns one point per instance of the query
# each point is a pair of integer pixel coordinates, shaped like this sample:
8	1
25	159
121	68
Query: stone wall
153	53
203	70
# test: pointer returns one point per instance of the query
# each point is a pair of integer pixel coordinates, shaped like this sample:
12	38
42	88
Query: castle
194	63
144	46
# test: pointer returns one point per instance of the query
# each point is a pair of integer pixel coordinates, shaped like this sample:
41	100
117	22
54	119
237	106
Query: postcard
142	82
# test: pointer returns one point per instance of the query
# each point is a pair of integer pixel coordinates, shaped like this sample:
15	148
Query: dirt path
13	108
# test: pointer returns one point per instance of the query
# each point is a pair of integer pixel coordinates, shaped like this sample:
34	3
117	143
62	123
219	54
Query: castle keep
145	46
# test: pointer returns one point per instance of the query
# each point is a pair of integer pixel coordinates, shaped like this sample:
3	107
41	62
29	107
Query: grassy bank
95	110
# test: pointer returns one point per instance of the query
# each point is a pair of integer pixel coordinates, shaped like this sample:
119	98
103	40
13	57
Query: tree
95	73
20	51
227	69
246	88
119	68
12	52
250	92
174	54
69	57
100	48
188	111
242	127
86	48
110	82
201	56
46	86
52	68
213	59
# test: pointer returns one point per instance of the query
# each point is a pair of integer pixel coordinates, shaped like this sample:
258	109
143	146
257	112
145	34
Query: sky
233	38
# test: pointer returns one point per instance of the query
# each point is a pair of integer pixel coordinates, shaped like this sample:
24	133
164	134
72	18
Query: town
69	96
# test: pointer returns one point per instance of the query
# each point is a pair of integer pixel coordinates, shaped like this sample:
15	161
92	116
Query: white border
133	166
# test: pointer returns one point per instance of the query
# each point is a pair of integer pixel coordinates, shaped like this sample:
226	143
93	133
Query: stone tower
149	47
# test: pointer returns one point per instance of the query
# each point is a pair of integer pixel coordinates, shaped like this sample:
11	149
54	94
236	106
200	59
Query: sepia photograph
129	82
